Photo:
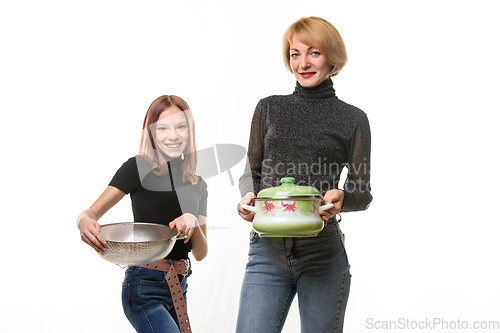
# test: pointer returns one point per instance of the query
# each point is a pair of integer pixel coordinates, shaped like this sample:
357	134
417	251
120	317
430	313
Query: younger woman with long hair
164	189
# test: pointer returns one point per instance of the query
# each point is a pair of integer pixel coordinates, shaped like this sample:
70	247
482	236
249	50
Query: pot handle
249	208
325	207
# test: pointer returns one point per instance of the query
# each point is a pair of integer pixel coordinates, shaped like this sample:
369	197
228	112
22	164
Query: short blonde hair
321	34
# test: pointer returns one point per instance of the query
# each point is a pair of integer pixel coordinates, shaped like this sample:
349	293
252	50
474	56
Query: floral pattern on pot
304	207
267	207
289	207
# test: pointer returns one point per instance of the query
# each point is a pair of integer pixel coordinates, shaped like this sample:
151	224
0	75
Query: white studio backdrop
78	76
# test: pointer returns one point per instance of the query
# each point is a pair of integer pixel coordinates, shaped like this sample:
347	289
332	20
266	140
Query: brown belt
179	267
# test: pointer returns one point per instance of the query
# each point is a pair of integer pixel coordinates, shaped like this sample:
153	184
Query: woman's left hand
185	224
335	197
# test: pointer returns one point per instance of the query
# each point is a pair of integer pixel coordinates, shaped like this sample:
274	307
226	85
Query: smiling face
309	66
172	132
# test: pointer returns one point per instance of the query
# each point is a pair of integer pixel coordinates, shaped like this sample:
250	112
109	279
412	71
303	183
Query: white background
78	76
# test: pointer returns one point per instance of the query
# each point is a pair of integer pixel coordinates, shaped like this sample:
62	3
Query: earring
182	156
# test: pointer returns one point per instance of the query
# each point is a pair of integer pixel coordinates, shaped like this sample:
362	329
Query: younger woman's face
172	133
309	66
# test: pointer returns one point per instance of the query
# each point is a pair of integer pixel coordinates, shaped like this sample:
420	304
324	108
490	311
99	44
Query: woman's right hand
246	200
90	232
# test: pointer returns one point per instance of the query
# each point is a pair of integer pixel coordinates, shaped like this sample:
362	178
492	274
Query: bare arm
199	239
87	220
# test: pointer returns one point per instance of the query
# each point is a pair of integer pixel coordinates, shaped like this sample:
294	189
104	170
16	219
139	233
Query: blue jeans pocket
126	300
341	236
253	237
152	287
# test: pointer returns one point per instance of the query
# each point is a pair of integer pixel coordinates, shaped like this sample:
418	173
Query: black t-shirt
153	199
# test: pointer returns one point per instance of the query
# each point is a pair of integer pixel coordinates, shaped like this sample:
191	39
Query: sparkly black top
310	135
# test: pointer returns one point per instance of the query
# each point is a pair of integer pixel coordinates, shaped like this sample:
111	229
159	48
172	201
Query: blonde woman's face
309	66
172	132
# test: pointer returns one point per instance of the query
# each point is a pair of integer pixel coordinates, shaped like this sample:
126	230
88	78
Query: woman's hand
185	224
246	200
335	197
90	232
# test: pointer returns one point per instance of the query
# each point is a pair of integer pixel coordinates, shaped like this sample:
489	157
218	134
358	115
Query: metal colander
137	243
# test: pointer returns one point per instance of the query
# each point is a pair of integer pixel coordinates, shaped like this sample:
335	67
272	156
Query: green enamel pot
288	210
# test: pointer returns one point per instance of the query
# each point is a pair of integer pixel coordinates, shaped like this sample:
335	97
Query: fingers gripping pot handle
325	207
249	208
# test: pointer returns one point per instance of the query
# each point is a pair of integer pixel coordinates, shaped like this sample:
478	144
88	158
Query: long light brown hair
148	146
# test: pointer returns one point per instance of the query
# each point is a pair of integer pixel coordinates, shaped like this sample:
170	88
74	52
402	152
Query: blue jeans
314	268
146	300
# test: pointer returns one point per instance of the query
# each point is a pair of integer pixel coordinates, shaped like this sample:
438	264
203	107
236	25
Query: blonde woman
312	128
164	189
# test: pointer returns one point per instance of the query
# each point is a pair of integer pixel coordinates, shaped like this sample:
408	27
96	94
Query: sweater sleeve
251	178
357	196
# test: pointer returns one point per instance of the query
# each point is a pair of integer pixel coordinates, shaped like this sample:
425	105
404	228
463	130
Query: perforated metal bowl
137	243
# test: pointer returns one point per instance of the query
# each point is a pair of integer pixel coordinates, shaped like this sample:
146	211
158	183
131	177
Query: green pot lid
289	189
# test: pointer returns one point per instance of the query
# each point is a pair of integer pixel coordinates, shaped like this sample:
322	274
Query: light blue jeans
314	268
147	302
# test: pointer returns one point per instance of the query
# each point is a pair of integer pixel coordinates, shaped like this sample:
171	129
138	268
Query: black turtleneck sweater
153	199
310	135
